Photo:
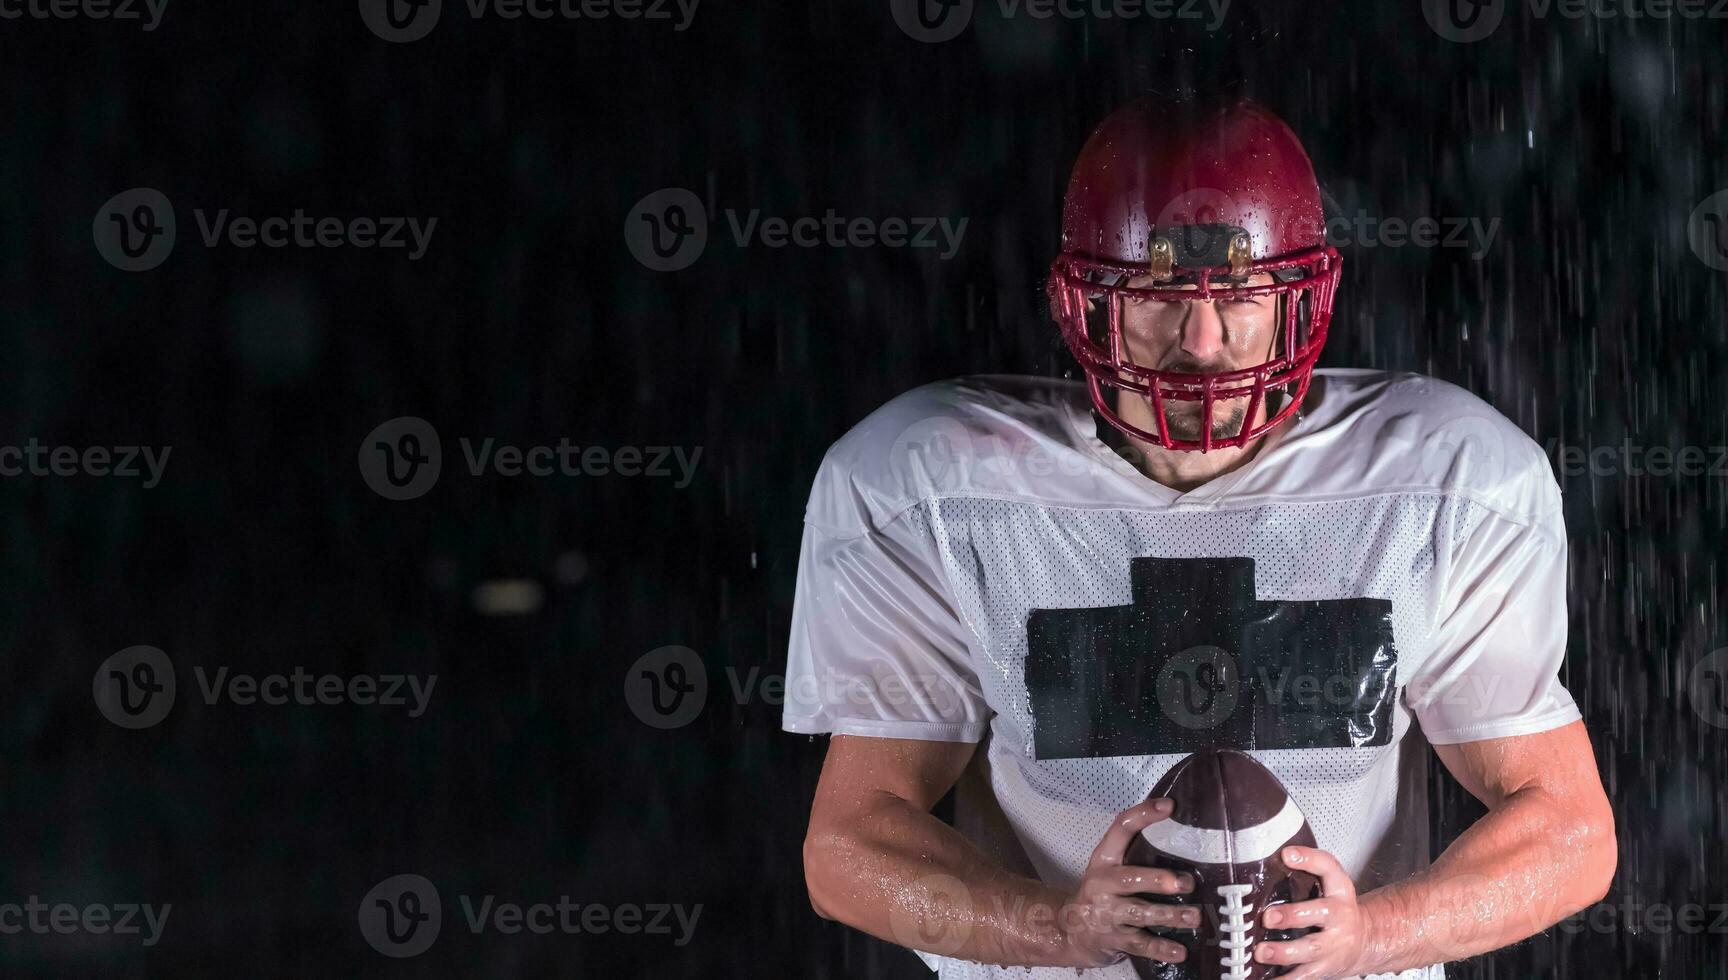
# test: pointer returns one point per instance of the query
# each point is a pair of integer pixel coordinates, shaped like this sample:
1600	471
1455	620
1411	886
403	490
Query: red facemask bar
1304	283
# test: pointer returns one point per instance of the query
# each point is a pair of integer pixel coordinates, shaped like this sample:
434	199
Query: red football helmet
1178	202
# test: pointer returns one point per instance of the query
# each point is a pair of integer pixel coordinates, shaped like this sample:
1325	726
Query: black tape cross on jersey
1196	661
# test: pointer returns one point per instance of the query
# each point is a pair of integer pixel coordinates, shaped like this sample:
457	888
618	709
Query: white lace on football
1203	845
1235	923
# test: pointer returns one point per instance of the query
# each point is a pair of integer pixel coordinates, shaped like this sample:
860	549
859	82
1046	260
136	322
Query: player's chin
1184	419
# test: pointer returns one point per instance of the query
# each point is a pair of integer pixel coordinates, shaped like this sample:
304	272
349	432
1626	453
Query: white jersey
977	566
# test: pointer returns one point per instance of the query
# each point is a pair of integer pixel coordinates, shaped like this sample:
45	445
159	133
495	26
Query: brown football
1231	822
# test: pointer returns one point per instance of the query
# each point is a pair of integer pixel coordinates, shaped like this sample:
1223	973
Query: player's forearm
902	875
1527	864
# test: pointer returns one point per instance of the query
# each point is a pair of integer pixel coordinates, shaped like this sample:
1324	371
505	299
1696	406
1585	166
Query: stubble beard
1183	419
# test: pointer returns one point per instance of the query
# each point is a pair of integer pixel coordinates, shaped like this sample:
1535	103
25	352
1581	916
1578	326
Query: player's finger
1142	943
1303	950
1334	881
1320	912
1132	879
1126	824
1139	912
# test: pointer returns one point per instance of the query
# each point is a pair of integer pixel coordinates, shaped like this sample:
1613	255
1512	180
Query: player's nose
1203	331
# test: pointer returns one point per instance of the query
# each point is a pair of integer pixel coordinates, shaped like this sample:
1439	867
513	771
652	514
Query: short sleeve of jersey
877	648
1500	636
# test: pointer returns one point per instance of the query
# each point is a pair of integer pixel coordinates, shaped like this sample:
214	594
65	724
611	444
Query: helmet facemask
1090	298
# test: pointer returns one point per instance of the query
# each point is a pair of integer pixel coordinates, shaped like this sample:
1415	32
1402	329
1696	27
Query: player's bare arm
877	860
1545	849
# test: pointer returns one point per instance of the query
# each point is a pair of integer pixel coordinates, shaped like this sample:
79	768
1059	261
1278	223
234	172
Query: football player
1047	592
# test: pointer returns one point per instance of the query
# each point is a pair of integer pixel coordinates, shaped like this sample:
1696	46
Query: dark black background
1589	321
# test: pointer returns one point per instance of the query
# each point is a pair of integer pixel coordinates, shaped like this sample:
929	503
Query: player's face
1201	337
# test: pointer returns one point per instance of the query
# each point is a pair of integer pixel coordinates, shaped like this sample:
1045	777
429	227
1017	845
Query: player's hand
1102	923
1333	951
